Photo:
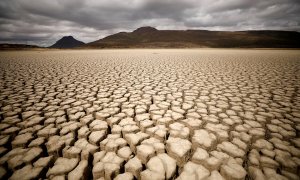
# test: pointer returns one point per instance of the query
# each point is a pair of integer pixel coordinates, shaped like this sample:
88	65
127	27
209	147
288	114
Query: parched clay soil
150	114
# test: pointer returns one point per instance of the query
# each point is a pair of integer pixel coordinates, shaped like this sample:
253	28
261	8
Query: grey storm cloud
43	22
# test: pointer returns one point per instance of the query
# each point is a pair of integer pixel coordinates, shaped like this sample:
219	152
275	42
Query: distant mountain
7	46
149	37
67	42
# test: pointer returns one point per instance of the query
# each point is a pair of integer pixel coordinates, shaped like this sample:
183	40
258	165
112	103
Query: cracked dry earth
150	114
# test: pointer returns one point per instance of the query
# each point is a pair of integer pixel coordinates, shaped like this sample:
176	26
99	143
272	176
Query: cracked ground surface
150	114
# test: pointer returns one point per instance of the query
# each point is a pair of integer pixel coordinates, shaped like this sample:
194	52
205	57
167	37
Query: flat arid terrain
150	114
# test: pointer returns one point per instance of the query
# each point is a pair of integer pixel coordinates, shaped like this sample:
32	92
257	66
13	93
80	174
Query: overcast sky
43	22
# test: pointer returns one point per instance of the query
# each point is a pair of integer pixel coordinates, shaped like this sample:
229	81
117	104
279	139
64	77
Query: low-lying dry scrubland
150	114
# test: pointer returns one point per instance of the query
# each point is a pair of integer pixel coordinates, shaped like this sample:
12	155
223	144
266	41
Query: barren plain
150	114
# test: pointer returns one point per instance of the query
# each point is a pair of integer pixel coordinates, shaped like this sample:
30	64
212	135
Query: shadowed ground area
150	114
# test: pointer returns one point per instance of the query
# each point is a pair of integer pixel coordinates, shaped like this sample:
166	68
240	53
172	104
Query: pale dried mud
150	114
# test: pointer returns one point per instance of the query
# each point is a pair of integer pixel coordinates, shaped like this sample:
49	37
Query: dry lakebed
154	114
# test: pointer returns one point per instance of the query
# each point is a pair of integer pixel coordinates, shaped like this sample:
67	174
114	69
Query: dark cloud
43	22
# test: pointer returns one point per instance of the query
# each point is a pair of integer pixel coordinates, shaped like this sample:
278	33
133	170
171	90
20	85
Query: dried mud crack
150	114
